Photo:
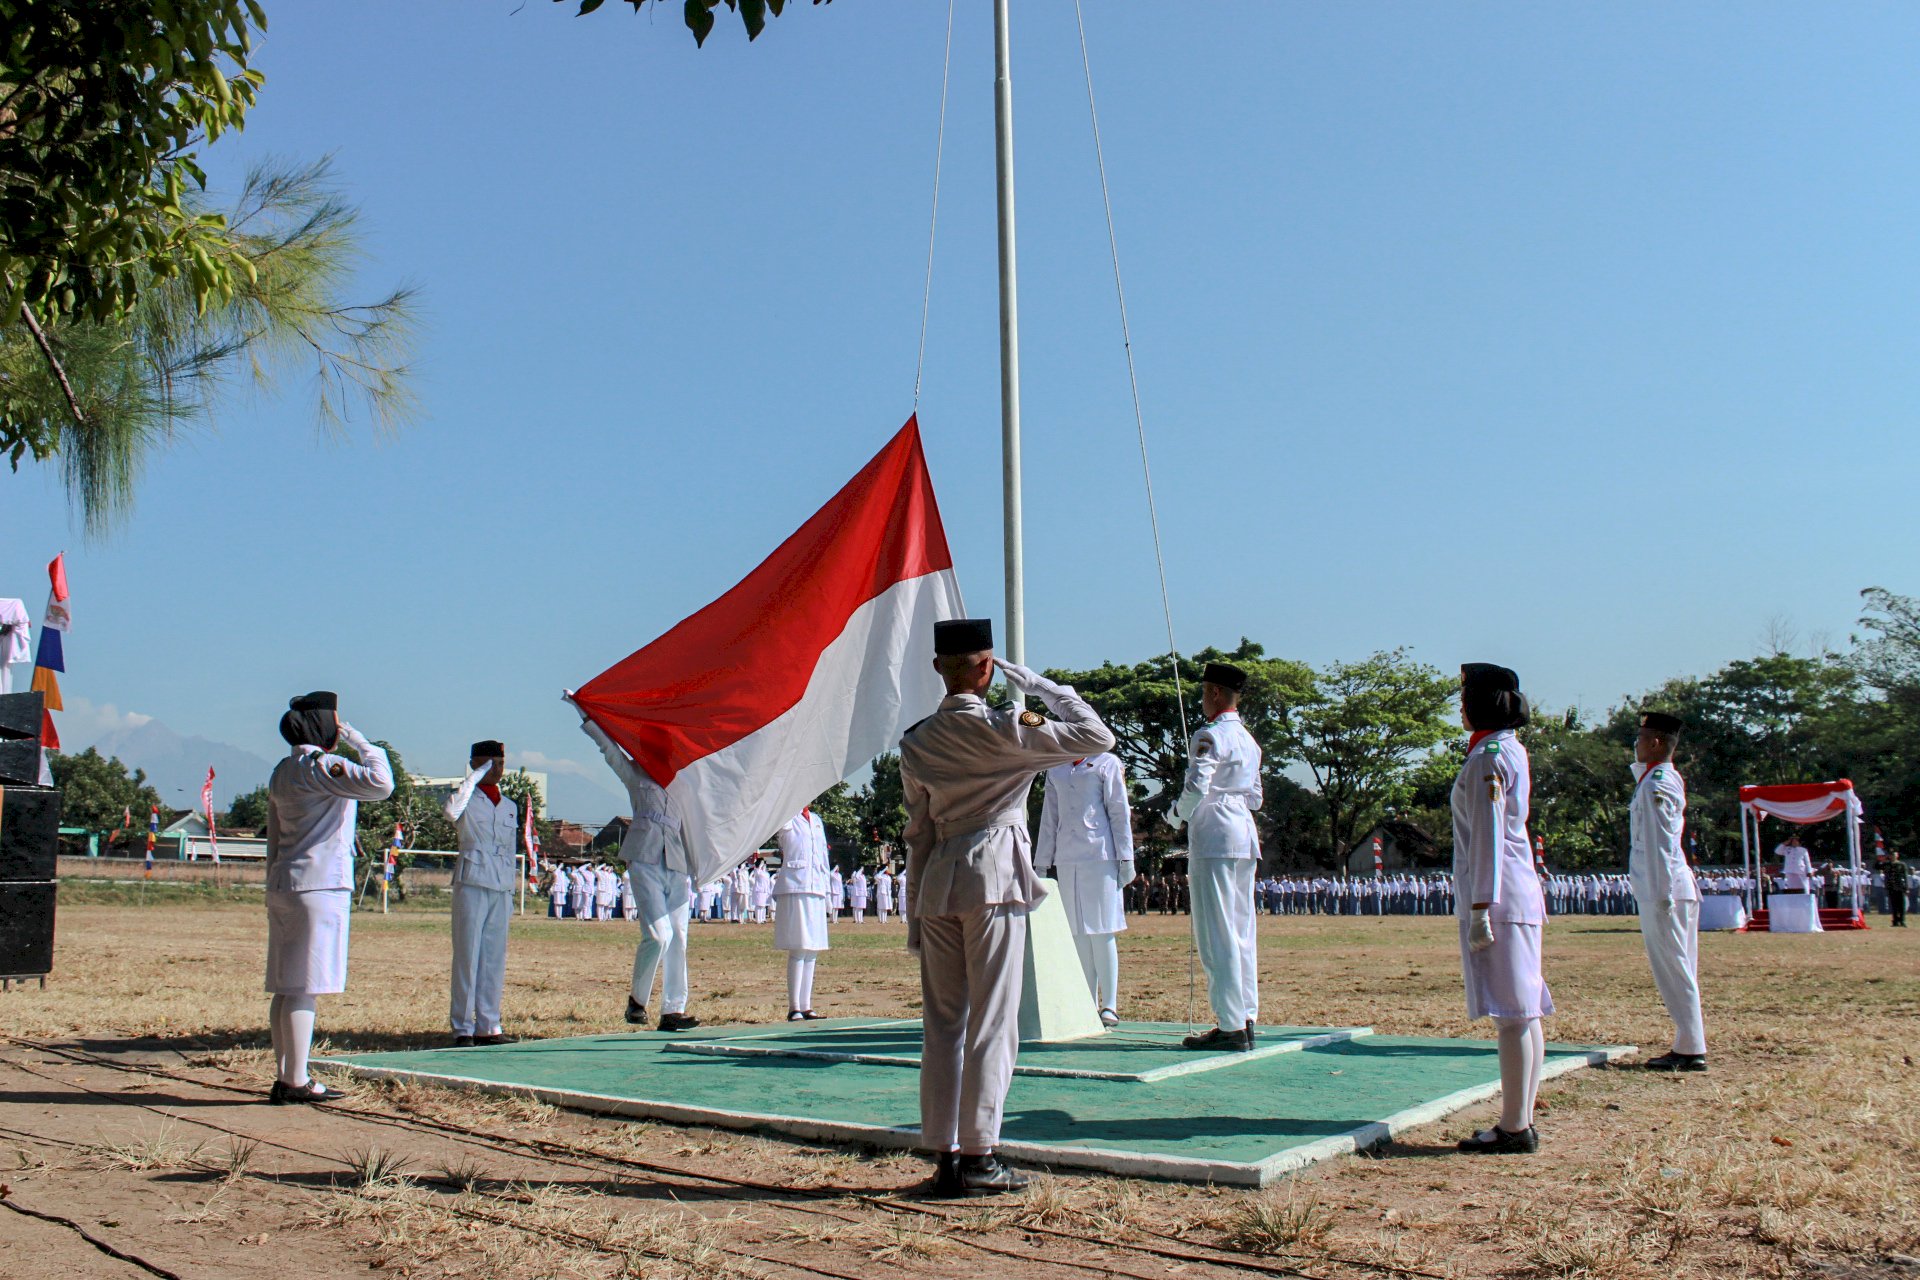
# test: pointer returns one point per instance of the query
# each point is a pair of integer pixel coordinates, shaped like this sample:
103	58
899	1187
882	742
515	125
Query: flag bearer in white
487	825
1663	885
882	893
800	919
859	893
1086	838
965	771
1498	899
1222	794
760	890
313	801
657	865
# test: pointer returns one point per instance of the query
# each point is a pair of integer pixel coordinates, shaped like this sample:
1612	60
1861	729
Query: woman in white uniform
1499	904
312	809
800	911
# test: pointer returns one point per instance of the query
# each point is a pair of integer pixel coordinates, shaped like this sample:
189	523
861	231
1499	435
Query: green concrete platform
1142	1052
1100	1104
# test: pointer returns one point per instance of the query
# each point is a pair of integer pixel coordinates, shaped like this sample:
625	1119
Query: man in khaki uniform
966	771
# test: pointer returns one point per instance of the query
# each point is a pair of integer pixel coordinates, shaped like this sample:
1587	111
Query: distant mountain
176	765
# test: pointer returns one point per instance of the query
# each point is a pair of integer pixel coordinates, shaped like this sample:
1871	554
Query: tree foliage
98	791
124	387
699	13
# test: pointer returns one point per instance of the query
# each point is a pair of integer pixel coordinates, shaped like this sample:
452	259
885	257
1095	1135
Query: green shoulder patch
1491	749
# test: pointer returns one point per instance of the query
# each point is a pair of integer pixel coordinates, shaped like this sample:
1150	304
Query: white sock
1106	967
298	1014
806	981
277	1029
1517	1079
1538	1036
796	981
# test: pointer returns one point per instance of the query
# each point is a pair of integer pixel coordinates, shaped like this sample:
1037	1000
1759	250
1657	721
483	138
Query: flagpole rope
1140	430
933	218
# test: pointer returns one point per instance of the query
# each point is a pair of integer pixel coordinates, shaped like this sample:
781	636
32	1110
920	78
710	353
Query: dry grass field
134	1142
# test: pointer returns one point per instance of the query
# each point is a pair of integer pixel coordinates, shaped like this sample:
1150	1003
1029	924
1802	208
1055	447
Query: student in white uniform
1086	839
1221	795
858	893
1499	904
486	825
800	919
606	891
882	893
760	891
313	803
1664	886
964	773
657	865
836	893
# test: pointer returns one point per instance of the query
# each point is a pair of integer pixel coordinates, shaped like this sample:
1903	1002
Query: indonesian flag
50	660
530	838
814	664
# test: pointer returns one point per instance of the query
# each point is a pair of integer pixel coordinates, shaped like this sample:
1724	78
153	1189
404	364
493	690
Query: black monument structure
29	834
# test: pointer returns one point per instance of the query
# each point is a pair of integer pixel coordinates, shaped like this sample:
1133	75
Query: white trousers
971	973
1223	932
1671	932
479	958
1100	961
664	904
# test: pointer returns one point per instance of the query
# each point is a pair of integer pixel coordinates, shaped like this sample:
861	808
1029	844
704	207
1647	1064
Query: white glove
1480	932
1023	679
352	736
1126	871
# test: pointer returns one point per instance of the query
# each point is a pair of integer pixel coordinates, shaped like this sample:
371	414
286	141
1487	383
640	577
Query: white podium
1788	913
1720	911
1054	1001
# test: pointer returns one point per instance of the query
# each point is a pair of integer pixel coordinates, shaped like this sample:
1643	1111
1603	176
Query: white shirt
1656	862
313	805
1797	865
1085	816
803	855
650	802
487	834
1492	857
1222	791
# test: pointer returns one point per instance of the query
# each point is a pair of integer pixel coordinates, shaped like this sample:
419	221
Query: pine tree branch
53	362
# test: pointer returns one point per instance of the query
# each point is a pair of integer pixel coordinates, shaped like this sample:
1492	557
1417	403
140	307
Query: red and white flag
531	839
813	665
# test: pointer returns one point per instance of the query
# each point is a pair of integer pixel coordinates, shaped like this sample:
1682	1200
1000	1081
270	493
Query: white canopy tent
1801	803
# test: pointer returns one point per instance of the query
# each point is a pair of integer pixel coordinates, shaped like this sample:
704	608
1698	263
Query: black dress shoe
1249	1033
987	1176
811	1016
285	1094
498	1037
1224	1041
636	1013
463	1042
678	1022
945	1182
1498	1142
1677	1062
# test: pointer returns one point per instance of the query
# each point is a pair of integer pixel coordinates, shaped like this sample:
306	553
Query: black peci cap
1662	723
1488	677
962	636
1226	675
318	700
487	750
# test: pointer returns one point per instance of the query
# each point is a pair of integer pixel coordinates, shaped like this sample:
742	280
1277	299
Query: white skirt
1090	891
1505	980
800	922
307	941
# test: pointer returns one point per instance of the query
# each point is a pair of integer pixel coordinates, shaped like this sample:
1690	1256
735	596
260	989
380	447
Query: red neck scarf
1479	736
490	791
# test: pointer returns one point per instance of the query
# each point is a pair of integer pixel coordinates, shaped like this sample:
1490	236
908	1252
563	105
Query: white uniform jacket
1656	858
803	855
1085	816
760	887
654	834
858	890
313	803
1223	791
488	835
1796	866
966	771
1492	857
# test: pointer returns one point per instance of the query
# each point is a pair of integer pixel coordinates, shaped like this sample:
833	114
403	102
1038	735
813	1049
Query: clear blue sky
1581	339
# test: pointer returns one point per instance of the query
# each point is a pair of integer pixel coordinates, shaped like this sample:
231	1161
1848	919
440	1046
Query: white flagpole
1015	638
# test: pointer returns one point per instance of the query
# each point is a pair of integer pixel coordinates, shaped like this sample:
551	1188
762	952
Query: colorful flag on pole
50	661
811	666
530	838
126	816
153	832
206	803
393	852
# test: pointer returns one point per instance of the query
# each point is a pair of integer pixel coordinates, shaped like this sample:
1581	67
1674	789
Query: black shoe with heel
1498	1142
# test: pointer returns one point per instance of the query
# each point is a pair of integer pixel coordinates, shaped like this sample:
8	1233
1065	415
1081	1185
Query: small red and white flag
530	838
811	666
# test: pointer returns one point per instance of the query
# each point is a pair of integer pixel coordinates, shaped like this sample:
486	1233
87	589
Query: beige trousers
971	969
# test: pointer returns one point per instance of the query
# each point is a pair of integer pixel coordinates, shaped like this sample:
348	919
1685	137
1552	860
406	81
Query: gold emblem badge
1032	719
